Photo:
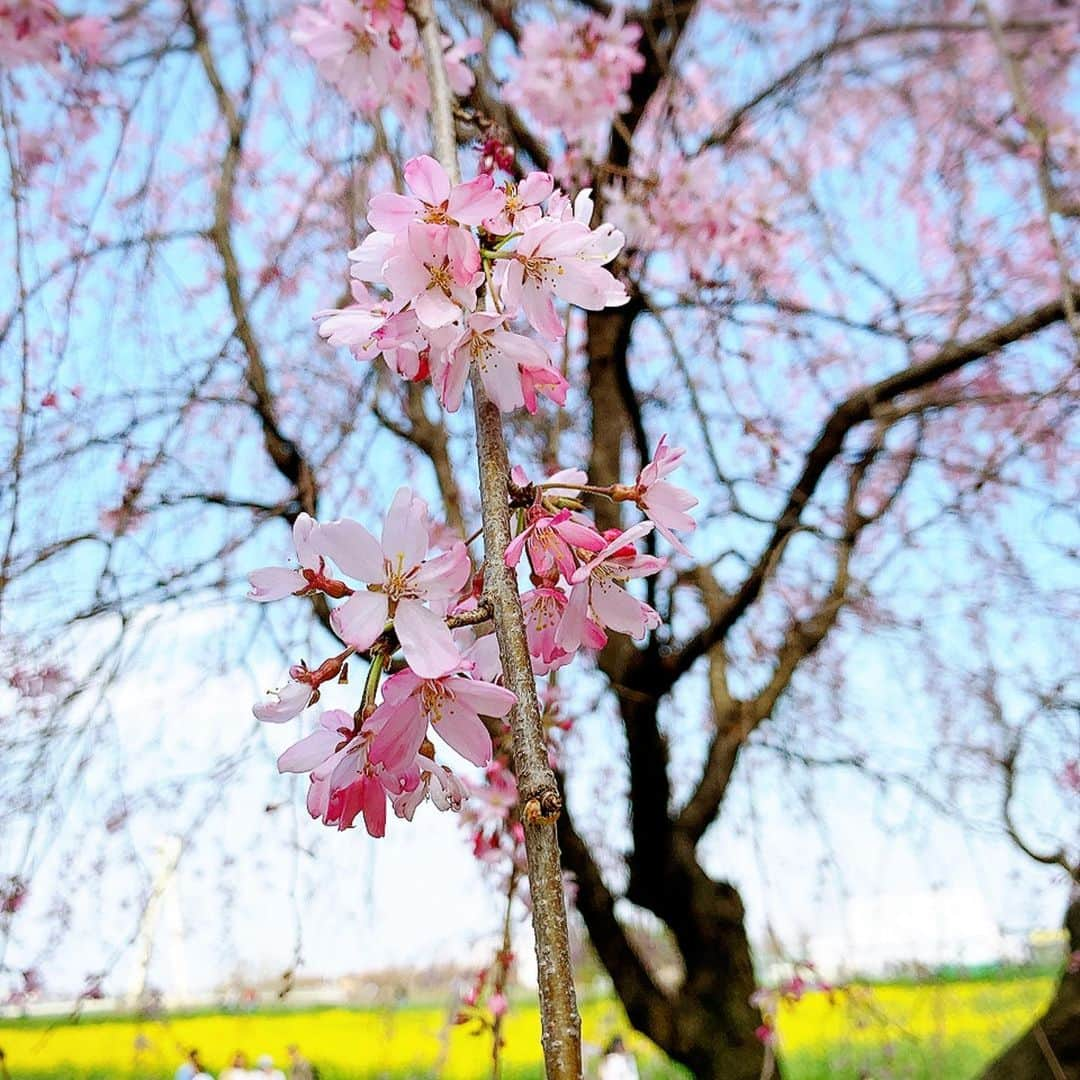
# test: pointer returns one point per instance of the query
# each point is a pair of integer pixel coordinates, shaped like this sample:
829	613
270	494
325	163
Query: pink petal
462	729
478	199
398	742
370	257
521	349
391	213
635	532
485	698
425	640
572	625
407	277
620	611
305	529
540	311
353	549
451	381
535	188
374	802
499	374
405	531
445	576
464	255
306	754
361	619
427	180
517	545
434	309
275	583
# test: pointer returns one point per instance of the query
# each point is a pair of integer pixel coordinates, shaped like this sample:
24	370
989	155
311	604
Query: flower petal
361	619
461	728
428	646
405	531
352	549
427	180
275	583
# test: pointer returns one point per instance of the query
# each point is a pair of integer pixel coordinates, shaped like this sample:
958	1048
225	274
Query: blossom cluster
370	53
433	249
37	32
416	592
573	75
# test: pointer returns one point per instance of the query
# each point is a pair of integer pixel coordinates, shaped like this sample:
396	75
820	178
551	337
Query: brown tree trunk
1050	1048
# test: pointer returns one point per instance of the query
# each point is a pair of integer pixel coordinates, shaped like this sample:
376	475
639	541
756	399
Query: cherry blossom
598	591
564	260
275	583
423	248
521	206
451	703
552	540
435	273
400	578
573	74
663	502
501	357
352	53
434	200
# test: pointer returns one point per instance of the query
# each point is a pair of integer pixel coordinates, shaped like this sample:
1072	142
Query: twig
538	793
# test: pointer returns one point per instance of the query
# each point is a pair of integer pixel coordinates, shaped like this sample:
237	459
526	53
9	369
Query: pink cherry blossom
552	540
335	730
500	356
434	201
346	784
275	583
597	591
663	502
352	54
400	578
452	704
544	609
545	380
435	273
563	260
370	328
573	74
521	207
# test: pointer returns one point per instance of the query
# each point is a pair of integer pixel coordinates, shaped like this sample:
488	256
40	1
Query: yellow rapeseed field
933	1030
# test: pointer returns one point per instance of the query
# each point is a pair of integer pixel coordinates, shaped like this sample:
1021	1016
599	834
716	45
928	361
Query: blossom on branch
431	249
400	579
452	704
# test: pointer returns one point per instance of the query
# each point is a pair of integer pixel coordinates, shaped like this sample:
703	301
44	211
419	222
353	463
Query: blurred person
191	1068
618	1063
264	1069
238	1068
4	1074
299	1066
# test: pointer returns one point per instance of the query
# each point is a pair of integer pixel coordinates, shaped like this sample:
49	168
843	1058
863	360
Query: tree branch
854	410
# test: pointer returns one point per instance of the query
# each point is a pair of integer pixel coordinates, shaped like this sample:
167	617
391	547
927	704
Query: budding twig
538	792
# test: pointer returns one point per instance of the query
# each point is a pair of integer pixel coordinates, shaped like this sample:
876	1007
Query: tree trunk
708	1023
1050	1048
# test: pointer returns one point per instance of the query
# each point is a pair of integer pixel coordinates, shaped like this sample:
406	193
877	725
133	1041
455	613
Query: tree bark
1050	1048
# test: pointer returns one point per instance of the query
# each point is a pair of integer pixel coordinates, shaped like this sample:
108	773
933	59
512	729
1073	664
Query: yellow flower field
934	1030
